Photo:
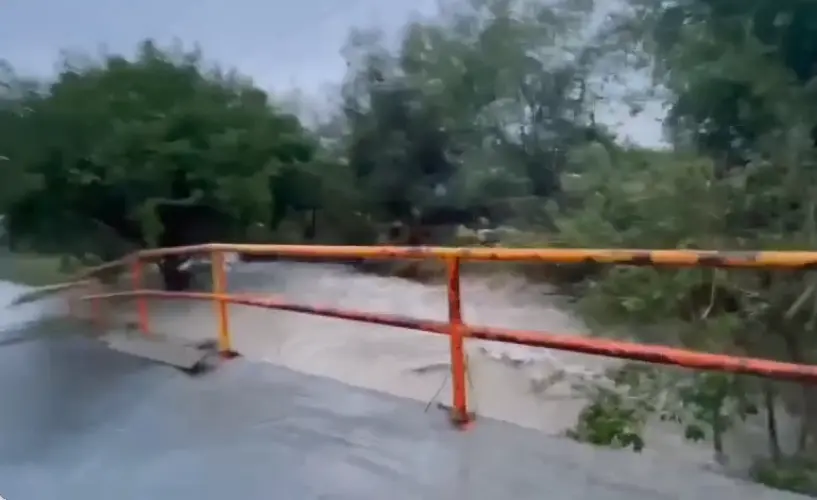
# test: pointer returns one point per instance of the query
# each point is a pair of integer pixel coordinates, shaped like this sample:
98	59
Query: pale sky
280	44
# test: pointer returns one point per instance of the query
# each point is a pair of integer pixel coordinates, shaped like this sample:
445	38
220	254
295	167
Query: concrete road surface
80	422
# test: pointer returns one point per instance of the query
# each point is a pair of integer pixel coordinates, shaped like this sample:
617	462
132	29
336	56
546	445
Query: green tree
474	112
154	150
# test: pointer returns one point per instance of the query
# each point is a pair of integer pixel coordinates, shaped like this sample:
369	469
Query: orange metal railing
455	328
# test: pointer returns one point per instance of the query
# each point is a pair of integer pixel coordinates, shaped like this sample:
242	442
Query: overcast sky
280	44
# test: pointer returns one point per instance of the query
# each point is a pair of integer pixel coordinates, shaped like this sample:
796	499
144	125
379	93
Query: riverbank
34	269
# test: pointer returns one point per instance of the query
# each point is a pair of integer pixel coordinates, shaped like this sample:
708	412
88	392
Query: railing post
137	276
97	311
71	302
459	411
96	314
219	278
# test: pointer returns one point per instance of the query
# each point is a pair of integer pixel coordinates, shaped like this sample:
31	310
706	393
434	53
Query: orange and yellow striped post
459	411
219	277
137	276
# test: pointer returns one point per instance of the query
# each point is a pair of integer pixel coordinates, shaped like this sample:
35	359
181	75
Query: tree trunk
771	422
311	228
174	278
808	426
717	436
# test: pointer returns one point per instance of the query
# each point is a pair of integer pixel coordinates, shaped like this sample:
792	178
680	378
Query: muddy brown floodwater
506	380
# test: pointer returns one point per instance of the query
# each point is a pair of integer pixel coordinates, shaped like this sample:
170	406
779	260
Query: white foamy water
18	316
506	380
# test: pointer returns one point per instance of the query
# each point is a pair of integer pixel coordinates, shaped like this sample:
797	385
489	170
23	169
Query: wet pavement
79	421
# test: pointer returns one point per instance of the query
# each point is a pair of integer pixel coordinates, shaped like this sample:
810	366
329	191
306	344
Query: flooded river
510	383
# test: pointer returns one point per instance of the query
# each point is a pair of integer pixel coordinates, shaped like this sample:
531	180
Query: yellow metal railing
455	328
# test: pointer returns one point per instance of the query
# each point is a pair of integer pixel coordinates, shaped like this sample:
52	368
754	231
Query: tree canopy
155	150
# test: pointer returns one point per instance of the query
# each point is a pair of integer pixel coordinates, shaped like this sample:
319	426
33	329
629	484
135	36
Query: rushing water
15	318
508	382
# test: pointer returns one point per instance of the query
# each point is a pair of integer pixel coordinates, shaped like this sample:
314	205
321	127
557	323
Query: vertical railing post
459	411
137	276
219	278
97	316
71	302
97	312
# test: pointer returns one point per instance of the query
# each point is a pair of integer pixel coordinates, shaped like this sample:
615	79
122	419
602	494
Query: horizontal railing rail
455	328
636	257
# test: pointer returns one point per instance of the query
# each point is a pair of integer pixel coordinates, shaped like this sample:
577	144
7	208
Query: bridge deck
80	421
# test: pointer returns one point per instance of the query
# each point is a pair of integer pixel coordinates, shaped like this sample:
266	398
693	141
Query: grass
34	269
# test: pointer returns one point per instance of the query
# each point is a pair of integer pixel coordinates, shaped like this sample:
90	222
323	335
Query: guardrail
455	328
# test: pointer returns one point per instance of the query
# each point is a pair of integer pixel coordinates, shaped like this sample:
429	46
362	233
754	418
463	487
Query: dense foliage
740	83
149	151
484	112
